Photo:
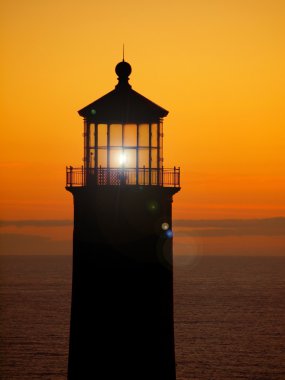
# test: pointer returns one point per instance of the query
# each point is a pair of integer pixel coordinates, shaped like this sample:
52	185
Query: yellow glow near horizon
217	66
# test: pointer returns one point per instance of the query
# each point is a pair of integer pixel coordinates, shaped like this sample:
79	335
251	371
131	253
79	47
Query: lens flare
152	206
169	233
165	226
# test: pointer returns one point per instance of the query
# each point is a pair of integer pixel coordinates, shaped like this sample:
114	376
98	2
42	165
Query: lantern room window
113	146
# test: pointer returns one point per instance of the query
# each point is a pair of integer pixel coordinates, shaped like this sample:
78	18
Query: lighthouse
122	283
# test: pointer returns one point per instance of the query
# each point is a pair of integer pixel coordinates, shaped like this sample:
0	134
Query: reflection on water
229	318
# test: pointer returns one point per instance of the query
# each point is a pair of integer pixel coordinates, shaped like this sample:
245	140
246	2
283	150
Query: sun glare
122	158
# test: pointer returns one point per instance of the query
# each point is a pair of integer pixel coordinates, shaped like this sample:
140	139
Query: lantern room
123	140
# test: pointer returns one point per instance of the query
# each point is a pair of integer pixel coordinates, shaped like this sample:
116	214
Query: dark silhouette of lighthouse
122	291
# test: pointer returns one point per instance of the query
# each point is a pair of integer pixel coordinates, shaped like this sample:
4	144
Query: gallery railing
78	177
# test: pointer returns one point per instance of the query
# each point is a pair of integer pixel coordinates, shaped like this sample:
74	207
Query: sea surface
229	317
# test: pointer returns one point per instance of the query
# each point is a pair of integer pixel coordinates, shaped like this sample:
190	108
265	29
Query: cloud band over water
230	227
187	227
235	236
36	223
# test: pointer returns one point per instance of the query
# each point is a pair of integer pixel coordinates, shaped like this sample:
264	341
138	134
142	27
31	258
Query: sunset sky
216	65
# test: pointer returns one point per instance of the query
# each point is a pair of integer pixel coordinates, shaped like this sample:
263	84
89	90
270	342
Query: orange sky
216	65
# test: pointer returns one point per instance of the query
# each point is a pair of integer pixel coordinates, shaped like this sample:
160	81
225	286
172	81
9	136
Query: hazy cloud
34	244
187	227
230	227
36	223
20	244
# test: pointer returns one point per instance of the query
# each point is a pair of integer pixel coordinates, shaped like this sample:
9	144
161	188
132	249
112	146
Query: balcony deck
81	177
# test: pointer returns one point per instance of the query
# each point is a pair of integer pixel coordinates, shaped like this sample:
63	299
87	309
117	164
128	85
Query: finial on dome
123	70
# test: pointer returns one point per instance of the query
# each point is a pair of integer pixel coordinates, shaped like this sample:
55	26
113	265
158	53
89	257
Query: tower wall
122	292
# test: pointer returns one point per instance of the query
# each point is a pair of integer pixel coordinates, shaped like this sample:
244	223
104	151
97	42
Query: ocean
229	317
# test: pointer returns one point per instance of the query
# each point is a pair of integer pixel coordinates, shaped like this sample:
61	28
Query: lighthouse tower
122	286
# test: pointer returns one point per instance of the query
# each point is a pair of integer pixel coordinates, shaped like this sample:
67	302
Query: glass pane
117	158
161	145
102	134
143	158
130	158
154	158
116	135
102	158
143	135
85	143
130	135
160	158
92	158
154	135
92	135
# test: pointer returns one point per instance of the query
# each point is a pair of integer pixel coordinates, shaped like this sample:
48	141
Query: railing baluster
137	177
71	179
